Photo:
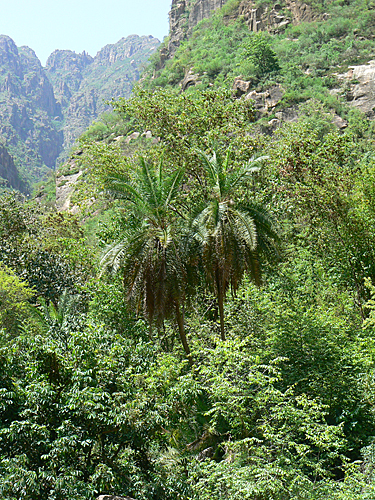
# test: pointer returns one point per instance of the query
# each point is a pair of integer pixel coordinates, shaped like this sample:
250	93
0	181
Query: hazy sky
46	25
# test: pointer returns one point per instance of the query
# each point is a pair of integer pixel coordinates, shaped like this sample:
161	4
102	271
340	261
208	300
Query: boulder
190	80
360	87
287	115
265	102
339	122
240	87
132	136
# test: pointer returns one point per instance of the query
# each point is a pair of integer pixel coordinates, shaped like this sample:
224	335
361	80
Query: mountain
9	175
29	113
83	84
185	15
321	51
43	110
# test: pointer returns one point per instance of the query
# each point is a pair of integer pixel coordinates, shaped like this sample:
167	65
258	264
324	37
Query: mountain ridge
44	109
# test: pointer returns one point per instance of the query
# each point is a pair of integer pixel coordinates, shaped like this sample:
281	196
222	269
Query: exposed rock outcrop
185	15
28	109
190	80
43	110
83	84
9	176
359	87
240	87
65	185
265	102
276	18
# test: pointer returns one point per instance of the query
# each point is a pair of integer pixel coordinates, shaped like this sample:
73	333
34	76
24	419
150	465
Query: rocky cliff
43	110
29	111
276	17
185	15
9	176
83	84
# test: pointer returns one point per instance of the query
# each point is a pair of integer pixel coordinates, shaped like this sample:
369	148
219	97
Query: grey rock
185	15
84	85
264	102
240	87
190	80
359	87
9	176
270	18
339	122
132	136
274	124
287	115
206	453
65	185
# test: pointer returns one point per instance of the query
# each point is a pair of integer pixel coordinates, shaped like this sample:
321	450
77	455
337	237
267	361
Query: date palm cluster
166	252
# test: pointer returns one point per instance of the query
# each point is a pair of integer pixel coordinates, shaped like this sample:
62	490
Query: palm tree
231	235
151	253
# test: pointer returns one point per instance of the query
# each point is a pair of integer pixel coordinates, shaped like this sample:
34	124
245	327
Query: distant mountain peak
43	110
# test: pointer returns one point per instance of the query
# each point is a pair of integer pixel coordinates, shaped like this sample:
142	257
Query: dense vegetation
204	328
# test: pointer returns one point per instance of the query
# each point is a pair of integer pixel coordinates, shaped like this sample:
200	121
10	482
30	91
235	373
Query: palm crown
230	234
150	254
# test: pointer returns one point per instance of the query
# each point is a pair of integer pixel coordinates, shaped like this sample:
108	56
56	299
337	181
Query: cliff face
83	84
9	176
185	15
28	109
271	17
43	110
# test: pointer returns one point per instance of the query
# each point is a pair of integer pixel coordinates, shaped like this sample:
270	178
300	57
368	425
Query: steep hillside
297	51
29	113
83	84
43	110
9	175
291	60
184	16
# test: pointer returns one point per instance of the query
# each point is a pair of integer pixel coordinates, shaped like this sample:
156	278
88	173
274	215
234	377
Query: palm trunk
220	299
221	313
181	330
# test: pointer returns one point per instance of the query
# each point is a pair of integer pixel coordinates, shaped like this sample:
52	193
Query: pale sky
46	25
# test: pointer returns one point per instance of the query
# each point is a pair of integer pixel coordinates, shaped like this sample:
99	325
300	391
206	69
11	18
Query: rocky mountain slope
321	51
185	15
321	55
84	84
30	116
43	110
9	176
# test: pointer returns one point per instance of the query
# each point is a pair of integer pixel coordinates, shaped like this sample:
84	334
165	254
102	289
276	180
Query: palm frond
243	173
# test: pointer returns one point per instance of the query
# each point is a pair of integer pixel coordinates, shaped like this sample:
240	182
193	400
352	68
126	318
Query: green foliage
218	51
14	295
150	255
187	122
96	395
258	50
320	177
42	249
230	235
